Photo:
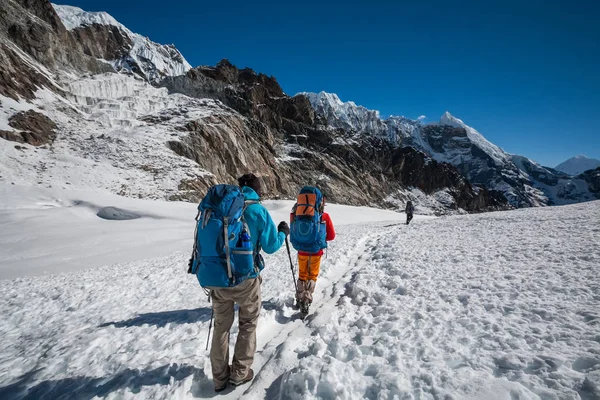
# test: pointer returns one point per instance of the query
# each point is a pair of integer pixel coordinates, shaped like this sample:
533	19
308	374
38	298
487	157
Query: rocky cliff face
290	147
33	39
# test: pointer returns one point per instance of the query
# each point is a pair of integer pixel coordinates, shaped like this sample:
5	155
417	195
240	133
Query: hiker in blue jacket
266	236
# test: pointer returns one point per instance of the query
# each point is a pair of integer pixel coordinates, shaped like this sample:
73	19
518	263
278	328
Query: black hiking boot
220	388
304	306
247	379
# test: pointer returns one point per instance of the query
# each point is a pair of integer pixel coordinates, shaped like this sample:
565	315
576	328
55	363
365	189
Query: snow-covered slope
399	312
523	182
155	61
577	165
108	138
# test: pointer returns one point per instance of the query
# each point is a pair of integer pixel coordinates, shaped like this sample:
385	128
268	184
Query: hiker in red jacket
309	264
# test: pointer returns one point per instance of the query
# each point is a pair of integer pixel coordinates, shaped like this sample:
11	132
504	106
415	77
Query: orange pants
309	267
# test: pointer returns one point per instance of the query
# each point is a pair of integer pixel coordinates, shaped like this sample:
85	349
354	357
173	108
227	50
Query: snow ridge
154	60
74	17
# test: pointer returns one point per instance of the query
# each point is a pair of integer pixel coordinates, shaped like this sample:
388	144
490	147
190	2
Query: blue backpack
223	254
307	231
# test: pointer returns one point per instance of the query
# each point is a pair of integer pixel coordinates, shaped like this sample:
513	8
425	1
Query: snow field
488	306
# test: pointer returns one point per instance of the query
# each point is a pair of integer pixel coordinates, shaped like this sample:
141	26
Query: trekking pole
287	244
209	328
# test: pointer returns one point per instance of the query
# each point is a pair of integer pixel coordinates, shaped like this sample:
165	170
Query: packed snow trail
135	328
501	305
496	306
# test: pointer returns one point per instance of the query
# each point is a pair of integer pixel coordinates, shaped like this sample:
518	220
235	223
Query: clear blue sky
523	73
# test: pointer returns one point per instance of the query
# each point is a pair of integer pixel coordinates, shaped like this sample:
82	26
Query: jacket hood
249	193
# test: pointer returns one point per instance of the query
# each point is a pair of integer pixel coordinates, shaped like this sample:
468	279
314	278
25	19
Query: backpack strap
247	203
226	237
195	248
258	248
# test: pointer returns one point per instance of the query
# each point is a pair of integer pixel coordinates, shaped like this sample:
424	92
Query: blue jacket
263	231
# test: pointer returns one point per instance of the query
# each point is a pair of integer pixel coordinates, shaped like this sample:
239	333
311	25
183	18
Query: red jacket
330	233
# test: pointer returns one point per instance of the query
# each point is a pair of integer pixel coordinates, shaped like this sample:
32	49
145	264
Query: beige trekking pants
247	295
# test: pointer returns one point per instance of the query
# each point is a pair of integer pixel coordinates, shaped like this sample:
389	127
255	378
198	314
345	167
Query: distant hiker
410	209
229	270
311	229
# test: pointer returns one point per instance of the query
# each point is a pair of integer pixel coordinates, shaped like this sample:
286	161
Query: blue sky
523	73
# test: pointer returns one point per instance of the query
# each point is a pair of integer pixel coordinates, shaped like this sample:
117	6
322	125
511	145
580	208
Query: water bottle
246	242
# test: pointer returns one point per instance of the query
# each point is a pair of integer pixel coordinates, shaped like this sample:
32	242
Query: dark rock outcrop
414	168
102	41
33	29
592	177
32	128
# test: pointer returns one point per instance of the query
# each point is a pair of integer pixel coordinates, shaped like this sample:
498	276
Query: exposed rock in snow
116	214
31	127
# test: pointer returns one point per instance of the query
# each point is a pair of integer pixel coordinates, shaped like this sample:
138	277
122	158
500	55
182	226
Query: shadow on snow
161	319
85	387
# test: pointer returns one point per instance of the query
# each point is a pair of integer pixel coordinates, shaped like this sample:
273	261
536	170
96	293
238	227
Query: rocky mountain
352	169
577	165
92	105
523	182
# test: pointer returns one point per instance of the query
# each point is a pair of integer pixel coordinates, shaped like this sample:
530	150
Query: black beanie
252	181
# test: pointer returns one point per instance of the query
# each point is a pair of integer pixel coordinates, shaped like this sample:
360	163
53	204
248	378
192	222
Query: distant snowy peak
499	156
141	56
74	17
578	165
449	119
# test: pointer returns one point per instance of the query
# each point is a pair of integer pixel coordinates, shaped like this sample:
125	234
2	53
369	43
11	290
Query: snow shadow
161	319
277	390
85	387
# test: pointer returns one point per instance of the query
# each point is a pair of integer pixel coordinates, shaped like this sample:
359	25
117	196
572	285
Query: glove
284	227
190	265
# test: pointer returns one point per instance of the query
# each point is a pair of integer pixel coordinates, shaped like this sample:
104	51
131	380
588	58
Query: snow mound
116	214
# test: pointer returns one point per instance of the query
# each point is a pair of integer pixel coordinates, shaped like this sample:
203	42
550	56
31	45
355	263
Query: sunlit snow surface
491	306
